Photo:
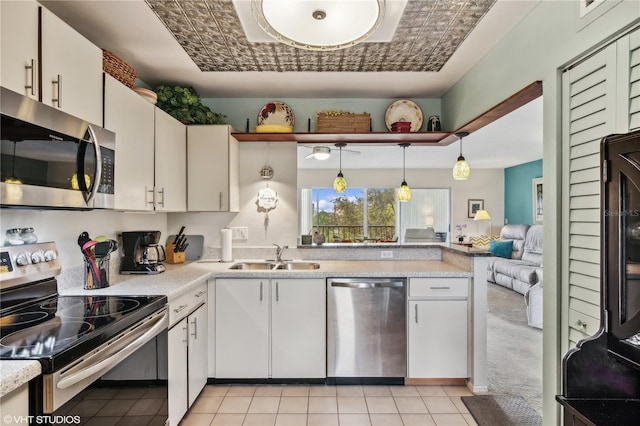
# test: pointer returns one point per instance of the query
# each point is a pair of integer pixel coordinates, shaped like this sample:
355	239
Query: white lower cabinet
438	327
187	351
270	328
298	324
177	369
15	405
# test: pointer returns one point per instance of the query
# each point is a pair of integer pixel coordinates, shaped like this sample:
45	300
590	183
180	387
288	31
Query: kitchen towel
226	245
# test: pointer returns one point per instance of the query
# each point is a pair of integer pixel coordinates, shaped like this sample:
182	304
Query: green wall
238	110
518	198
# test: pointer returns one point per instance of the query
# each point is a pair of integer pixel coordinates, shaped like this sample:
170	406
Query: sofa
521	268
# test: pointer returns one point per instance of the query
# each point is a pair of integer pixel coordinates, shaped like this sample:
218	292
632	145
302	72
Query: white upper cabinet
131	117
71	70
19	62
151	152
212	169
71	65
170	163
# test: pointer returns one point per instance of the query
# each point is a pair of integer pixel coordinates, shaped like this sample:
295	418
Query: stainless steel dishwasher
366	330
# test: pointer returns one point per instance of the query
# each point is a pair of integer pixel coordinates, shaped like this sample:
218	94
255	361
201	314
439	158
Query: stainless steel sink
298	266
265	266
253	265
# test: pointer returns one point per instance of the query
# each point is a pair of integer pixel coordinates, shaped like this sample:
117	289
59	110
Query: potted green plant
184	104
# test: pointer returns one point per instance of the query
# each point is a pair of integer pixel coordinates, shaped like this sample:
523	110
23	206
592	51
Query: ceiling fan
324	152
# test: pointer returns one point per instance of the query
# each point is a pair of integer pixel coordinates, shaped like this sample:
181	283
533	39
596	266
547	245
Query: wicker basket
118	69
344	123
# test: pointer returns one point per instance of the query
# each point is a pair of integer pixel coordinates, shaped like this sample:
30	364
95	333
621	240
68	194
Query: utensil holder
96	273
173	257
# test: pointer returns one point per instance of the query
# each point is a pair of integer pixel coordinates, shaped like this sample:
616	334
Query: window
373	214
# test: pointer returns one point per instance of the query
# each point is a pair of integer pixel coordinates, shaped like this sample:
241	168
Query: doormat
503	410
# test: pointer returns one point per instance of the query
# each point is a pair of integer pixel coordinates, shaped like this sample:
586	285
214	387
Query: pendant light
461	169
340	183
404	192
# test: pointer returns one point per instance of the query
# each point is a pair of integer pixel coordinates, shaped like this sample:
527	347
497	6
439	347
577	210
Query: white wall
63	227
282	226
484	184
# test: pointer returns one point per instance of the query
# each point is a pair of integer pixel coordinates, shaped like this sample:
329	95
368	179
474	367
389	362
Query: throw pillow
501	248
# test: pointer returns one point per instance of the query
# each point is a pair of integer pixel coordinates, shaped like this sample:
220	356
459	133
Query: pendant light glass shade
404	192
461	170
340	183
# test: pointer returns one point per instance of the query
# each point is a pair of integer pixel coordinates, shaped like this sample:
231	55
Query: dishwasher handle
367	284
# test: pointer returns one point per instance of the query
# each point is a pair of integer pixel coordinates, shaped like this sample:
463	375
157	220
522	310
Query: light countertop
181	278
13	374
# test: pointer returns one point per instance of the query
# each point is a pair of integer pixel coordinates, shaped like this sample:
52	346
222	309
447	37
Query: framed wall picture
536	190
473	206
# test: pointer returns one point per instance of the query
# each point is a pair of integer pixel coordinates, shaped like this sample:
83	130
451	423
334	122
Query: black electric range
65	333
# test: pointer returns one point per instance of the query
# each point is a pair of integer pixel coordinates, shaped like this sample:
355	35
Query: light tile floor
319	405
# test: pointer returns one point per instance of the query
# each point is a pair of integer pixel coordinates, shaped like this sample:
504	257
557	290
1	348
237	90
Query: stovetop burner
90	306
43	339
57	329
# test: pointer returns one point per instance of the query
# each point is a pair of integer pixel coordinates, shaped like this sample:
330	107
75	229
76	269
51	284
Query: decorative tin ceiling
428	34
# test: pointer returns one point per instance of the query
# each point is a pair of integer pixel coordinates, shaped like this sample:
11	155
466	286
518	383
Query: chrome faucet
279	251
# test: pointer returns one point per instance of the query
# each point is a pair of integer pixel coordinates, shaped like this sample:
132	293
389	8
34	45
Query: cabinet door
132	119
438	339
197	352
298	321
212	170
170	163
71	70
242	328
177	371
19	42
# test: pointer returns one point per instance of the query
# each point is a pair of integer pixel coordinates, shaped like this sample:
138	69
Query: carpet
501	410
514	350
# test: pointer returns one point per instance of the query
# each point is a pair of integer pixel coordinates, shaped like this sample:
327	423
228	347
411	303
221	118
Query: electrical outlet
386	254
240	233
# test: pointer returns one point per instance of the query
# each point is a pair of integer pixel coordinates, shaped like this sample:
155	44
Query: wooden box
344	123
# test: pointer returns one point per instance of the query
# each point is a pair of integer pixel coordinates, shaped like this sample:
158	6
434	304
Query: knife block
173	257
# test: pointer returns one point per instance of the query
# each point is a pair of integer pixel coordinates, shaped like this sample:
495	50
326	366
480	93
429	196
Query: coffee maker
141	253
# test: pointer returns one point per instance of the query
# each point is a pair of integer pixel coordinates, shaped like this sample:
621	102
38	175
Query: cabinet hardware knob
582	324
180	308
58	98
161	192
195	328
31	68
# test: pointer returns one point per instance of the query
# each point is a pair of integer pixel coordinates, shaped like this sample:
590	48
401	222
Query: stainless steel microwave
52	160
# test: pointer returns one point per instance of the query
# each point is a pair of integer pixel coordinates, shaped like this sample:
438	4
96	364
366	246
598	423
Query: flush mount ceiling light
404	192
319	24
321	152
340	183
461	169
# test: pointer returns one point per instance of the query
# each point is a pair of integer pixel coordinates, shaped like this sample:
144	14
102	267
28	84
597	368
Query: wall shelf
380	138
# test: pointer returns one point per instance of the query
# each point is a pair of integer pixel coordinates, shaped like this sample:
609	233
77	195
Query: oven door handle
115	353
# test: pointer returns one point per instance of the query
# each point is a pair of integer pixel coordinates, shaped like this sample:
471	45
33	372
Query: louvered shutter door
588	115
634	81
601	96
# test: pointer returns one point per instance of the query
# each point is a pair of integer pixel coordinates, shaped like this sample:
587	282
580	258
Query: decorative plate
404	110
277	113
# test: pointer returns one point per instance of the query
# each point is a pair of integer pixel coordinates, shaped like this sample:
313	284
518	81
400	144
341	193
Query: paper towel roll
226	245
